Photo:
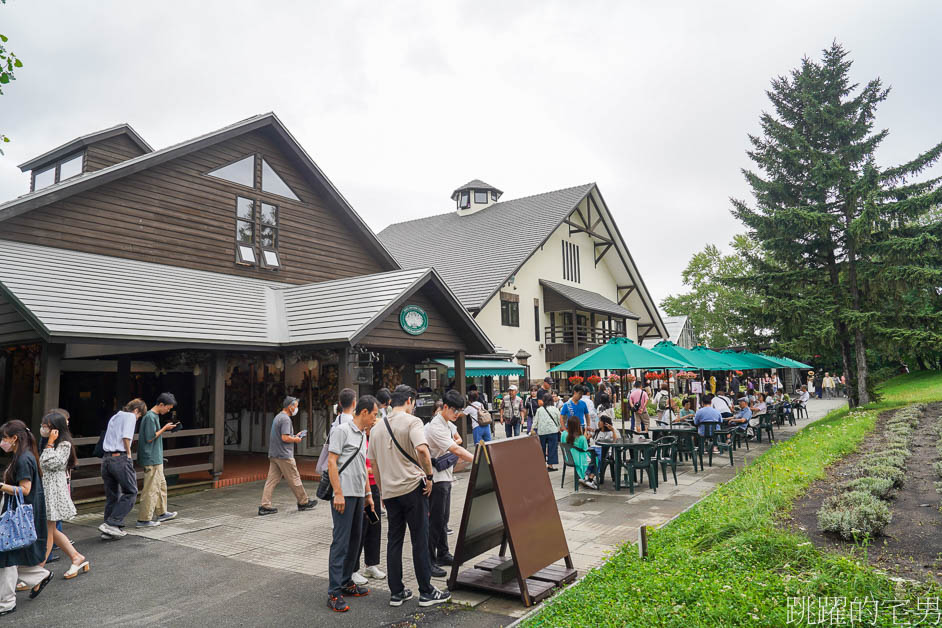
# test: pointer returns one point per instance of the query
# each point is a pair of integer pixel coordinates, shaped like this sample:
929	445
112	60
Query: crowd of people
42	480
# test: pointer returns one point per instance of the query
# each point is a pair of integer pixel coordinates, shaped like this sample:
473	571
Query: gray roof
476	253
70	294
592	301
91	180
85	140
474	184
674	325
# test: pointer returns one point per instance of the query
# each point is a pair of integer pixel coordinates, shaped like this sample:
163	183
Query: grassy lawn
730	561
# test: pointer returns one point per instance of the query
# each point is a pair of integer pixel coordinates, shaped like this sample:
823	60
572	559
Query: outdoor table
619	445
680	431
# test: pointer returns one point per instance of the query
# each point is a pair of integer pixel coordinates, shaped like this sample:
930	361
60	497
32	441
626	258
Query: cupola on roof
475	184
474	196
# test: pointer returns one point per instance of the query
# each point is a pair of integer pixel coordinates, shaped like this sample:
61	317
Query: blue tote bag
17	528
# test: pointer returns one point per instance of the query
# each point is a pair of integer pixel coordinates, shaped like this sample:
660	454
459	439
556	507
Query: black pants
117	472
410	509
439	508
372	535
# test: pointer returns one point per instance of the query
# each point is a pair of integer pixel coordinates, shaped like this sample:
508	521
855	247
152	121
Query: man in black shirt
530	405
546	388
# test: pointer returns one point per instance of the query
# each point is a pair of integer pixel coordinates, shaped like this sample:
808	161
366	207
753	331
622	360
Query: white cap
512	387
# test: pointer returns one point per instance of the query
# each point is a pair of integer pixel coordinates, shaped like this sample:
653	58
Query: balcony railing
564	342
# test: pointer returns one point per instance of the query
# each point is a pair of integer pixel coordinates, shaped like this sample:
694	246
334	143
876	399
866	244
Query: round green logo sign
413	320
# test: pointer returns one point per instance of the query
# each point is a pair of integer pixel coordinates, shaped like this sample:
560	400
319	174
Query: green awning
620	354
474	367
738	361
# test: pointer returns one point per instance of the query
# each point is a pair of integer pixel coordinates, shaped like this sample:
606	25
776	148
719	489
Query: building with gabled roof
548	273
226	269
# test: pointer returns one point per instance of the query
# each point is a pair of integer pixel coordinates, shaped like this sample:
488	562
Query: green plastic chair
645	460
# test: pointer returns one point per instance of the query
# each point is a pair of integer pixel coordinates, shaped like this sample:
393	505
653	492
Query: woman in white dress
57	460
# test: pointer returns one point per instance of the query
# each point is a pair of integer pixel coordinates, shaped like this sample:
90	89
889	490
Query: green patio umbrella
620	354
761	361
793	364
699	359
738	361
709	360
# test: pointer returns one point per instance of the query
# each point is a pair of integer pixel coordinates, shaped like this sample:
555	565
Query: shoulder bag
17	528
445	460
325	490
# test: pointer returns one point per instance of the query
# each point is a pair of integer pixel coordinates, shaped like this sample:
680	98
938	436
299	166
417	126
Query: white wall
547	263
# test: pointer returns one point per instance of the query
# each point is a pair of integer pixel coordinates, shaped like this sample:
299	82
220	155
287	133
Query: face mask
6	445
44	431
294	412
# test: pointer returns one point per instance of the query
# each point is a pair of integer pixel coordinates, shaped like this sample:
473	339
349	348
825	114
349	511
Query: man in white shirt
440	434
805	396
722	404
117	468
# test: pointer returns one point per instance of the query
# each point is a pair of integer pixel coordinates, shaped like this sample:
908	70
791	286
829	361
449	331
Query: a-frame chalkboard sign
510	503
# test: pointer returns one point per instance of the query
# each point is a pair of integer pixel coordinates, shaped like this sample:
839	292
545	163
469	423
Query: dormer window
465	201
63	169
480	196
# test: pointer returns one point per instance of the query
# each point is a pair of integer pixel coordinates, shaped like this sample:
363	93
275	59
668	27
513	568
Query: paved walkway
224	523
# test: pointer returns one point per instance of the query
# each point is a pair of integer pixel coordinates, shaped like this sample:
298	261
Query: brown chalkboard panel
510	503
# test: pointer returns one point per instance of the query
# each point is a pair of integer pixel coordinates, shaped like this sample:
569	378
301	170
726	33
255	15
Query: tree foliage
719	296
849	250
9	62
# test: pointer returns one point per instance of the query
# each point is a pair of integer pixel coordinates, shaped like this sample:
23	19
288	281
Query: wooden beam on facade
577	228
598	257
217	409
628	290
344	369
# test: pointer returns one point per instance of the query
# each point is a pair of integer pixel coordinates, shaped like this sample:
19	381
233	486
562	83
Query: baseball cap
548	380
512	387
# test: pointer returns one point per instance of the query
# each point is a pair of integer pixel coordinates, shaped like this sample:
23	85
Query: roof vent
474	196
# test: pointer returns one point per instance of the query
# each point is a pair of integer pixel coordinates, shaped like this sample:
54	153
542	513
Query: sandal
75	570
22	586
34	593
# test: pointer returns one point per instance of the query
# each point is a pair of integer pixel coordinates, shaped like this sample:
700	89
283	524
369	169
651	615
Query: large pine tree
849	252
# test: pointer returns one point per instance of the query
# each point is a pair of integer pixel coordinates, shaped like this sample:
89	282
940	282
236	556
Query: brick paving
224	521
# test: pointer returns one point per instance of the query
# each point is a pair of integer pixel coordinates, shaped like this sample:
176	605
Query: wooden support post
217	409
122	388
575	333
461	386
50	373
344	369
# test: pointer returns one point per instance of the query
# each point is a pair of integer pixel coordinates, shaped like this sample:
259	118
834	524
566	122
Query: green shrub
855	516
894	474
884	458
879	487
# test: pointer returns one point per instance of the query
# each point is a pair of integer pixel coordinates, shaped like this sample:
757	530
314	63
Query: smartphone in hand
302	433
371	516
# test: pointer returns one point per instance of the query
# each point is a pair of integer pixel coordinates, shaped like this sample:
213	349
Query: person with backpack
666	408
480	418
57	460
638	406
546	425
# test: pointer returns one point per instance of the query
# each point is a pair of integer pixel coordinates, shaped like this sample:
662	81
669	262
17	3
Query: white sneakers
373	572
358	579
112	530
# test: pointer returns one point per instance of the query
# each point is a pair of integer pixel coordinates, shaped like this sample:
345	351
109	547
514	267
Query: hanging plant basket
614	379
594	379
575	380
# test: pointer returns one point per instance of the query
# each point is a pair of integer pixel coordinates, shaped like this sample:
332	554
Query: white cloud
401	102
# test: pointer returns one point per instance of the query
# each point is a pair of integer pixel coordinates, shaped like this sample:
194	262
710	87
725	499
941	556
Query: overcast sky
400	102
